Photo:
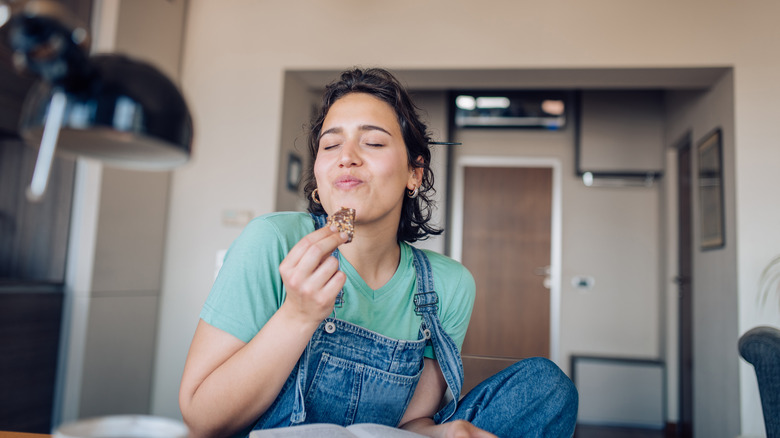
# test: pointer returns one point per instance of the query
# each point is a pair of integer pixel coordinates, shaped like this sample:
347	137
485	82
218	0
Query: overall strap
425	300
299	409
319	220
426	305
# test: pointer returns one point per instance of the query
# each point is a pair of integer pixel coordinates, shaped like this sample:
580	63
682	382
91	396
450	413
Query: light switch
582	282
236	218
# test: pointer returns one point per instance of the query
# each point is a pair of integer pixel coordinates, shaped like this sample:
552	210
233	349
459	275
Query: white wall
236	53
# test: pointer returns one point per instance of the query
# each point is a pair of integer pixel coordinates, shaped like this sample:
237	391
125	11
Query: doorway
506	212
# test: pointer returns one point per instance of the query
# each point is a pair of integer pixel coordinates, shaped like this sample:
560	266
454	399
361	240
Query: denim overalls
348	374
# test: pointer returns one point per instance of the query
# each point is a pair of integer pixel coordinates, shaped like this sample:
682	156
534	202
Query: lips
347	182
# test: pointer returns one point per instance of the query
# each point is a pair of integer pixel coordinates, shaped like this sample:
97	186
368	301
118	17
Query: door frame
456	228
684	266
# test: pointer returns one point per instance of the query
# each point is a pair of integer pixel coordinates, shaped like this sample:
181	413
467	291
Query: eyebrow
339	130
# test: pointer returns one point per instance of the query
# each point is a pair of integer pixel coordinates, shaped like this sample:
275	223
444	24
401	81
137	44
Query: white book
364	430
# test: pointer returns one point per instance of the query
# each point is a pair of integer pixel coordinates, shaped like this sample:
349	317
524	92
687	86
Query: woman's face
362	160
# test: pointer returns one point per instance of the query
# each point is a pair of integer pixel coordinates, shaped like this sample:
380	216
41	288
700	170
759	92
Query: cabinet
30	316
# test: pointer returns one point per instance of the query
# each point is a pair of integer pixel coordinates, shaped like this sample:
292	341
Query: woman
302	327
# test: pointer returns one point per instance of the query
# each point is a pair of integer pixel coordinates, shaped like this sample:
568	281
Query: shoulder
450	276
283	225
284	221
440	262
271	235
248	288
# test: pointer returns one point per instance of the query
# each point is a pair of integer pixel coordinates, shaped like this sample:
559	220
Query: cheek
319	171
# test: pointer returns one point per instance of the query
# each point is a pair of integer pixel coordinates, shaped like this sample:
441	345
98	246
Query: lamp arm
51	132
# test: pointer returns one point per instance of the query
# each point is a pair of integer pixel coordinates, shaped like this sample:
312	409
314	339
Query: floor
583	431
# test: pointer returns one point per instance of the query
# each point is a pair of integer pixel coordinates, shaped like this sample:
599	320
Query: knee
551	383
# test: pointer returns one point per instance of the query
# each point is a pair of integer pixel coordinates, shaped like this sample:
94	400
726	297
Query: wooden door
507	214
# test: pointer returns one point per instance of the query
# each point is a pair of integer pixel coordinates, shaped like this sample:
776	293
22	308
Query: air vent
514	109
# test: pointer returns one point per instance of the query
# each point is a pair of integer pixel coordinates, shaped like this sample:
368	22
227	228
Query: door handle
544	271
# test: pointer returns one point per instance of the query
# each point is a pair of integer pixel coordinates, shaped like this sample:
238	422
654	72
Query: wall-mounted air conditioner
619	137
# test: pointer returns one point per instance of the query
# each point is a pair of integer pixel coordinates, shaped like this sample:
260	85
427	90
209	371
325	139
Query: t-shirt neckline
401	275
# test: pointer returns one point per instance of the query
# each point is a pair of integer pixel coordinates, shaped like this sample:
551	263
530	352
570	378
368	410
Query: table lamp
109	107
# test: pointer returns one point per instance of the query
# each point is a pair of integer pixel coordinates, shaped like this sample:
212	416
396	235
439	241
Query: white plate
123	426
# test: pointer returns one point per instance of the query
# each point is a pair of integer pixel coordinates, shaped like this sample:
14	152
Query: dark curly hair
381	84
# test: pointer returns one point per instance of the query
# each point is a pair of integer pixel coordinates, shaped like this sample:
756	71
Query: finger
317	282
321	288
338	280
300	248
481	433
334	286
319	251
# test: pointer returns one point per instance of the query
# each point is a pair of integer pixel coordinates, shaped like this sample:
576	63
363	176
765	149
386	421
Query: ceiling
577	78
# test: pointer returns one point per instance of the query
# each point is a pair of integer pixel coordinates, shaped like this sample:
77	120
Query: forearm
423	426
424	404
455	429
239	390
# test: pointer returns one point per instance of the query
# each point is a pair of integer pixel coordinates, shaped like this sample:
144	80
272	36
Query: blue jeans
532	398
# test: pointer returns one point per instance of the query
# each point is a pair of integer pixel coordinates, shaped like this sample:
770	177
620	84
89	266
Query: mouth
347	182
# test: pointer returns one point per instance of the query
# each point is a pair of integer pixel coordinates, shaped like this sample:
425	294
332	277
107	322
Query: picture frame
294	172
710	186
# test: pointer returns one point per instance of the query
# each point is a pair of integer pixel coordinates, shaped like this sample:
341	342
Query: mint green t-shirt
249	288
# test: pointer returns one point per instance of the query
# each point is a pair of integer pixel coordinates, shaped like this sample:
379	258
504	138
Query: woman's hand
311	276
454	429
424	404
463	429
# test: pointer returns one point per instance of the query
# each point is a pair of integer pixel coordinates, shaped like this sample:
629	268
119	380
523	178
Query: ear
415	176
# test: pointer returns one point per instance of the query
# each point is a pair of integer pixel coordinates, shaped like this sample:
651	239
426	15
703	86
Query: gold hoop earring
315	197
413	193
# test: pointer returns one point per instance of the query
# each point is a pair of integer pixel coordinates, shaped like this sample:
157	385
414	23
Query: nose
350	154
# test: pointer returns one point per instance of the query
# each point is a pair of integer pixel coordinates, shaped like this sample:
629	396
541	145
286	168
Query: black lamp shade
127	114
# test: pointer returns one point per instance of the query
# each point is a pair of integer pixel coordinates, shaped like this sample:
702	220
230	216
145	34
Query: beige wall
236	53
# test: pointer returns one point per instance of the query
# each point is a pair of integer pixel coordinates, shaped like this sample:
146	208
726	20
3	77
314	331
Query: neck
374	253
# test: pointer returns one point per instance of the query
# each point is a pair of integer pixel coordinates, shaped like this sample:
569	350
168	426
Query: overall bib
348	374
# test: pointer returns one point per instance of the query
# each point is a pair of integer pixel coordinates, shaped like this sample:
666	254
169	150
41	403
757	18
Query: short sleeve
456	316
248	289
456	289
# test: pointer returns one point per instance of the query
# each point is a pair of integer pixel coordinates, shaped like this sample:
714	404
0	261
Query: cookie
344	220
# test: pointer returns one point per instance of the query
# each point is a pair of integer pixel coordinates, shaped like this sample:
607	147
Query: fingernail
343	235
334	228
